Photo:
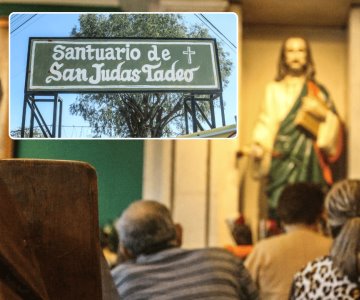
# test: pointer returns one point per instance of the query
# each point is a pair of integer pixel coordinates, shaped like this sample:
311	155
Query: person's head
242	234
301	203
146	227
343	208
295	59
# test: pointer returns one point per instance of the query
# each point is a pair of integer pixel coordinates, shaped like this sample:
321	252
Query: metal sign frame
30	96
191	111
32	101
212	41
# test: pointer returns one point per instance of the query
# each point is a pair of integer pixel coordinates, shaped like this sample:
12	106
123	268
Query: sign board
122	65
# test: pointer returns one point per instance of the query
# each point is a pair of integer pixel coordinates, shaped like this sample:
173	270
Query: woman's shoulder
320	279
306	283
316	265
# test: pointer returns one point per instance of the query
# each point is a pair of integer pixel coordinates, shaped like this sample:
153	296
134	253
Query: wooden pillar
354	93
5	141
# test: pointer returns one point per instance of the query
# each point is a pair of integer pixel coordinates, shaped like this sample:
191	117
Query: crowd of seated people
300	263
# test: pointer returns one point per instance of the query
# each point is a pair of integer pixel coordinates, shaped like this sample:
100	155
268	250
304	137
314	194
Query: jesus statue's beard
297	72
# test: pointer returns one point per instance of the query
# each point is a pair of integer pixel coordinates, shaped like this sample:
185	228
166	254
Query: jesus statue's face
295	55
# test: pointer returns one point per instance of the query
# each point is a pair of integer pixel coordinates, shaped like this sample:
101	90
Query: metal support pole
222	110
60	116
32	116
203	115
35	110
22	134
193	113
53	134
186	117
212	112
36	116
40	120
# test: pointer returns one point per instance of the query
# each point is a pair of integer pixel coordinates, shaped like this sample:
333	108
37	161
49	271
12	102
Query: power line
17	20
231	47
212	25
22	24
31	23
14	18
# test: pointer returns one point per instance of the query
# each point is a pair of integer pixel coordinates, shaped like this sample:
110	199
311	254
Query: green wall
118	164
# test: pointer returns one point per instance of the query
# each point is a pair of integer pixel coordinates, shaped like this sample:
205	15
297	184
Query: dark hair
343	207
146	227
242	234
301	202
283	69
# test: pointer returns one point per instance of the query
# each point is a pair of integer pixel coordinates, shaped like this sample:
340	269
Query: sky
60	25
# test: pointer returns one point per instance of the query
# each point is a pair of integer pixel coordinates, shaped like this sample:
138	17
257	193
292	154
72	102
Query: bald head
146	227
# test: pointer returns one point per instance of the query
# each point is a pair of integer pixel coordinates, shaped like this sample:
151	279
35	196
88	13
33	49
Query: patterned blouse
321	280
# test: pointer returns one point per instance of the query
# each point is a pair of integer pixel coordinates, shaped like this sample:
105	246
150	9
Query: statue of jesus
298	131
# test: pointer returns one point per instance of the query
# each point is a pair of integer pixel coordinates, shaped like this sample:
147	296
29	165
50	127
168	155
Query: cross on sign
189	53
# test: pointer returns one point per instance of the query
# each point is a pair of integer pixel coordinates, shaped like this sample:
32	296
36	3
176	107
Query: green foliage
137	115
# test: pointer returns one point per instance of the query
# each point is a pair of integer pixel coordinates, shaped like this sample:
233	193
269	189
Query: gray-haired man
158	269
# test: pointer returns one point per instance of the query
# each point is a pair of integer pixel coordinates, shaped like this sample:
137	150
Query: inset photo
123	75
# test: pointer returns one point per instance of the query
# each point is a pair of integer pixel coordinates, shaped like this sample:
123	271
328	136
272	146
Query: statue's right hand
257	151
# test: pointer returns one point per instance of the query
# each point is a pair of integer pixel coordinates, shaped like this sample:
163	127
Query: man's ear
179	232
124	254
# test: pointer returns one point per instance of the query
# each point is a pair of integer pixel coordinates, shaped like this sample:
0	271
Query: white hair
146	227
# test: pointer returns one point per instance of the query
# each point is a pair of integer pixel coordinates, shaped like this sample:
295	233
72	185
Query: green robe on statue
294	156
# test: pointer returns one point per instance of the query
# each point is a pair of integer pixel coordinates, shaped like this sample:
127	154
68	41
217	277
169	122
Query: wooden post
5	141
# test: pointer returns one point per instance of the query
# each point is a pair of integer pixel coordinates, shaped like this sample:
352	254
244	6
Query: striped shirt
184	274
